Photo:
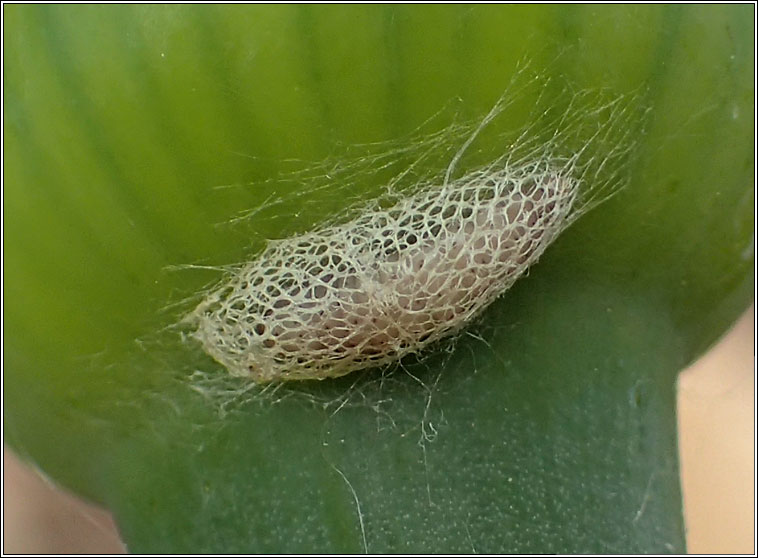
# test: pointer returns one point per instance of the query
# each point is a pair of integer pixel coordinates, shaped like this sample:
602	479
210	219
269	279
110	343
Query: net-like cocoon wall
390	282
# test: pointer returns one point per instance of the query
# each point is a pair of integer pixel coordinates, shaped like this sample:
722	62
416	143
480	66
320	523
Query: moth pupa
389	282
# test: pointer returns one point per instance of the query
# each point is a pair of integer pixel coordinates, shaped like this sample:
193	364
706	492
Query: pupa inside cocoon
389	282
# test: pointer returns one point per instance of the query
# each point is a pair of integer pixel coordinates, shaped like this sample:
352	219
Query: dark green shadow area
514	445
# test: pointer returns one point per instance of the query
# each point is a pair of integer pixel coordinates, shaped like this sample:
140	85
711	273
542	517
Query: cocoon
389	282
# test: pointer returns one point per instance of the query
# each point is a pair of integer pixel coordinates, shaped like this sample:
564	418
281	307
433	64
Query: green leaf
136	135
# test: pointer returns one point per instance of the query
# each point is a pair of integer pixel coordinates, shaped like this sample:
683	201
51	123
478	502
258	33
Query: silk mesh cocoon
387	283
